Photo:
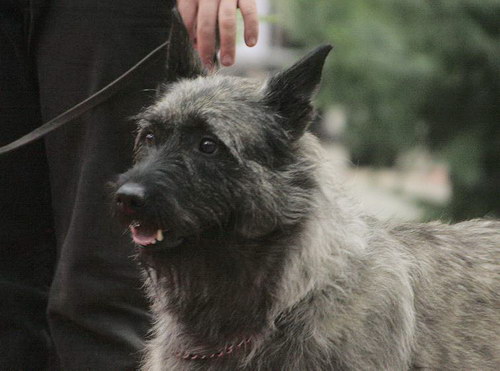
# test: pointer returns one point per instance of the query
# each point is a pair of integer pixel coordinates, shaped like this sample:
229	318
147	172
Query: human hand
201	18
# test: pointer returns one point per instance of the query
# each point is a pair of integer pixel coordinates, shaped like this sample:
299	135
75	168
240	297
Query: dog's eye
149	138
208	146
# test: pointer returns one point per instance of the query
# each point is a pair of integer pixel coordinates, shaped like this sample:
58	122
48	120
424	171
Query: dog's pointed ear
182	59
289	93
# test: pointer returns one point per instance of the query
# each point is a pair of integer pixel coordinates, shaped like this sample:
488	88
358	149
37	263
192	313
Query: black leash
89	103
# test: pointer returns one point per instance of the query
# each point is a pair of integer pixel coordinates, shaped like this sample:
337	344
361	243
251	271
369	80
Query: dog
255	258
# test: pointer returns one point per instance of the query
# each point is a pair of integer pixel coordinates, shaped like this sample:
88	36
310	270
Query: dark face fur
220	176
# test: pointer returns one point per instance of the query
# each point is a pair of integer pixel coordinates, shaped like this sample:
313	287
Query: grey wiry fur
260	242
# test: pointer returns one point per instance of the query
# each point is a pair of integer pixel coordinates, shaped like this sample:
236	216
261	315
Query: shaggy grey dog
255	259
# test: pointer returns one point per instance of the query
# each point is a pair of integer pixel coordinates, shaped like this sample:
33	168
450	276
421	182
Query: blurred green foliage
414	72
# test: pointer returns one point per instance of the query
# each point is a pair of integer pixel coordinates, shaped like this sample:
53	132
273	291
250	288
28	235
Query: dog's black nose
130	197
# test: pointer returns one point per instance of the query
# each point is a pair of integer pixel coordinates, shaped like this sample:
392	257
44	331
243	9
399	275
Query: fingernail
227	60
252	41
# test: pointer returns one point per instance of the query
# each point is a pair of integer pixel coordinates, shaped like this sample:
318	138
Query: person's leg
27	248
97	312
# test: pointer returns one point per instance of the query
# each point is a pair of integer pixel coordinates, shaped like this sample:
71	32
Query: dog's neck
217	293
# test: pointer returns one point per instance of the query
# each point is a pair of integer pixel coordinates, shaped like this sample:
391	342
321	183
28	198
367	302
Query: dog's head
219	154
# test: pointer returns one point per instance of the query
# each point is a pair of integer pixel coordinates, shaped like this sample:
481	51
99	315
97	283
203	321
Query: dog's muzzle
130	200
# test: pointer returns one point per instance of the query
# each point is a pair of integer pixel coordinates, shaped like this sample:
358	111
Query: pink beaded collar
219	354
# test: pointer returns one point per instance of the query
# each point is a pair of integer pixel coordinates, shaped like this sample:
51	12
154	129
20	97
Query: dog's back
456	278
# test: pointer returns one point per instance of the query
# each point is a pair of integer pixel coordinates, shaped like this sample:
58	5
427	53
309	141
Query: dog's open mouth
152	237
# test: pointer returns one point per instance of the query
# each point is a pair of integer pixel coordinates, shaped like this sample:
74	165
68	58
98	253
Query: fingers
206	29
201	18
248	10
187	10
227	31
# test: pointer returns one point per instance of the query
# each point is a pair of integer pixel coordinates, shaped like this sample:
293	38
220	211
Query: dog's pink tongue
142	237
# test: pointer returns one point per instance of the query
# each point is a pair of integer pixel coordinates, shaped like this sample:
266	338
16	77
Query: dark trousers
70	294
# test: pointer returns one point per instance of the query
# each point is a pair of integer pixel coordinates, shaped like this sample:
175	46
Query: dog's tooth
159	235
